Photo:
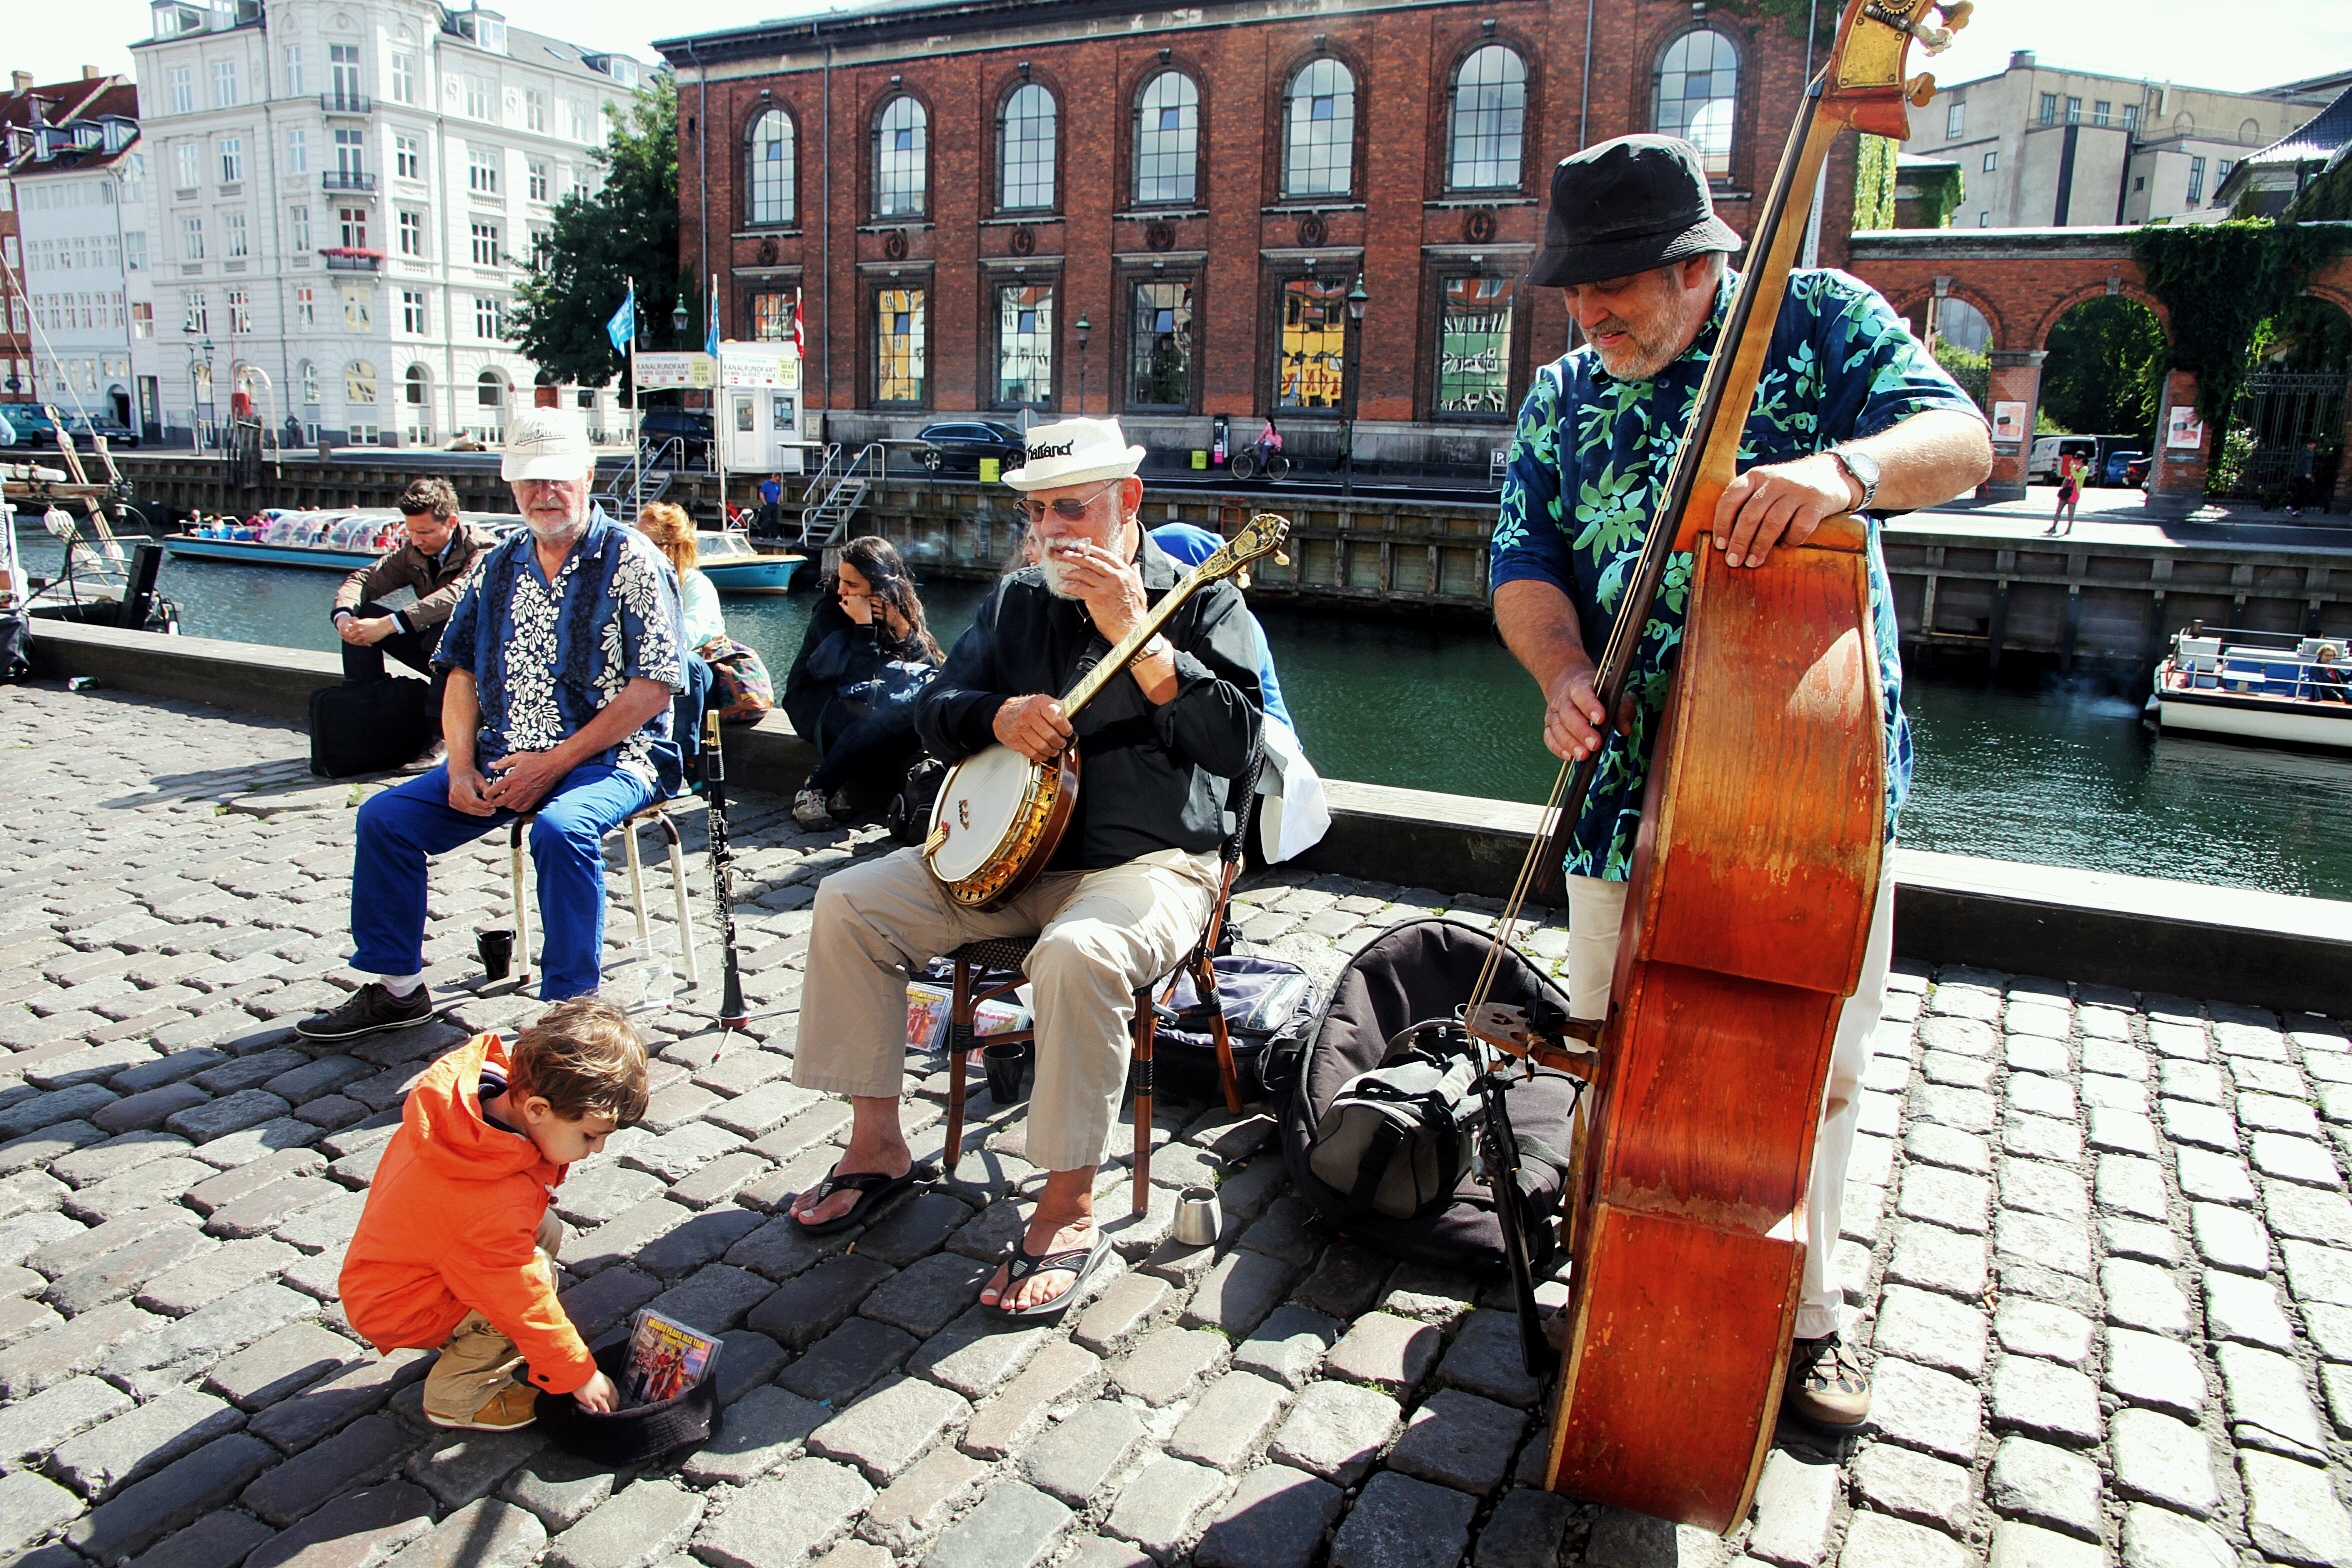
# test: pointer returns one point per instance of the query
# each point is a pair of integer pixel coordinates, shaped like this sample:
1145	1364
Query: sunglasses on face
1070	509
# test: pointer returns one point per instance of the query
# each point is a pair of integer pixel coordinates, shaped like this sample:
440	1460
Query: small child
456	1247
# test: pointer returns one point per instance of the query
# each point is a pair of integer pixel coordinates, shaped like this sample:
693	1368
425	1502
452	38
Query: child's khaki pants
477	1358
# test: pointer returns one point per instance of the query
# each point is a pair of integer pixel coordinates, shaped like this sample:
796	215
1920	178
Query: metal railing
825	522
355	263
347	103
347	180
815	484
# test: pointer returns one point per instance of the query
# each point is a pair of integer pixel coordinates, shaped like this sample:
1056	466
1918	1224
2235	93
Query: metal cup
496	950
1198	1217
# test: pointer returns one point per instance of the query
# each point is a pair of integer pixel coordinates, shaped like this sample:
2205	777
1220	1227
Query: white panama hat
1075	452
546	443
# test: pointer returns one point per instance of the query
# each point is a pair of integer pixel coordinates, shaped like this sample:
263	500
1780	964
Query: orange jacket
450	1224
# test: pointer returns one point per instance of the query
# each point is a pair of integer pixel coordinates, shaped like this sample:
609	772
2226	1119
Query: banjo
999	815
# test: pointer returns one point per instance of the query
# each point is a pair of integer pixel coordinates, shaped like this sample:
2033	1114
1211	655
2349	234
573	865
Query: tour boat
344	541
2278	687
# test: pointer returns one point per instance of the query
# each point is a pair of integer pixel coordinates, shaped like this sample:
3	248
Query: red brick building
992	205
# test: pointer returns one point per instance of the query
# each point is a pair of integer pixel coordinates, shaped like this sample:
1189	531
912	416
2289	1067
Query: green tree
2105	372
1971	367
1874	184
628	229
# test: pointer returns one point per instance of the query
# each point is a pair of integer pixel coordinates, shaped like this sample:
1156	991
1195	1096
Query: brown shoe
1826	1385
513	1406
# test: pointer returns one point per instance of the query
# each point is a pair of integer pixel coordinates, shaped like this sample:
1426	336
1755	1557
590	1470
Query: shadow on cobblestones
2096	1245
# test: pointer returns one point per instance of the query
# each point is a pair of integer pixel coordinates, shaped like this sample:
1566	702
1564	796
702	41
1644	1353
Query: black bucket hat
1624	206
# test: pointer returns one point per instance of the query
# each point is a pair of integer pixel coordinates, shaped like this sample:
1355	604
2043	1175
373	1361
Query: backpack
1402	985
1269	1005
1397	1139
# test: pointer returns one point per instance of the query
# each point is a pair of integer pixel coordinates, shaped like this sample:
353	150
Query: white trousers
1596	914
1100	934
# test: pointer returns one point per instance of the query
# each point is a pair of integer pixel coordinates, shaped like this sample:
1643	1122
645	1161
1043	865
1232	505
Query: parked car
689	426
26	425
957	446
117	434
2125	469
2041	464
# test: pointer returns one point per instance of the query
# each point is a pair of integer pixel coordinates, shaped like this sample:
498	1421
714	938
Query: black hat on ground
1624	206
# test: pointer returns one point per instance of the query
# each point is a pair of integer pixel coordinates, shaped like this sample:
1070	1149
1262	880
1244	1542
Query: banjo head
981	804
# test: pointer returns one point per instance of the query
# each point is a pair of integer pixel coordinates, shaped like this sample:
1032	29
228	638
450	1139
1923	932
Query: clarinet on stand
722	857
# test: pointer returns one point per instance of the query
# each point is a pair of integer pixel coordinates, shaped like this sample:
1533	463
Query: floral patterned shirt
547	656
1592	452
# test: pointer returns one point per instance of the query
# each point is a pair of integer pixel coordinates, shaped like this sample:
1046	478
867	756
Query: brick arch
2337	293
1915	297
2132	288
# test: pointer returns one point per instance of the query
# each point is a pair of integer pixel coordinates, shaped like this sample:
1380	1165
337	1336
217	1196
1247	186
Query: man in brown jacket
434	564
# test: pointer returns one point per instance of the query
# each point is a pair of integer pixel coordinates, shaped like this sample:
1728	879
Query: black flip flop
872	1187
1023	1263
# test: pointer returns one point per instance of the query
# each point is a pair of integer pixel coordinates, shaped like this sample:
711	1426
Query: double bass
1754	878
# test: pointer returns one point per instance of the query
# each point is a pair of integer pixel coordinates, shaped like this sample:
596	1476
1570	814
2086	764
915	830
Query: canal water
2058	773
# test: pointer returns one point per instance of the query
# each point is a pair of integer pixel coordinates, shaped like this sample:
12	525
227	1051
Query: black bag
908	815
369	726
636	1435
1418	971
1397	1139
1269	1006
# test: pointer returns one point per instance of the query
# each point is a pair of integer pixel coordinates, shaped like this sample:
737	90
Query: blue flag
623	326
710	339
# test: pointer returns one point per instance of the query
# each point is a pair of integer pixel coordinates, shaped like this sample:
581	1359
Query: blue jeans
399	828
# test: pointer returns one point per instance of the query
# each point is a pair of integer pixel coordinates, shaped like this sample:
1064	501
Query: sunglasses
1070	509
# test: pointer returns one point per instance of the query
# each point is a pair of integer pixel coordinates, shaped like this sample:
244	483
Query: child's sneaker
513	1406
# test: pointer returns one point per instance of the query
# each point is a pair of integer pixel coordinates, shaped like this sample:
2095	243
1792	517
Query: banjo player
1123	897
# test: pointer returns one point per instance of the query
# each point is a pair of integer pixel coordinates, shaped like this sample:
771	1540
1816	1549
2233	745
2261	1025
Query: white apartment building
340	197
2047	147
78	191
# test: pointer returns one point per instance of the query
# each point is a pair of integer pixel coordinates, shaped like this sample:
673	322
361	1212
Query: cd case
666	1358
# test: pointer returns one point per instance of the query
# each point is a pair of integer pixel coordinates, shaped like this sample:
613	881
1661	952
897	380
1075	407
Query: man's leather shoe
370	1009
1826	1385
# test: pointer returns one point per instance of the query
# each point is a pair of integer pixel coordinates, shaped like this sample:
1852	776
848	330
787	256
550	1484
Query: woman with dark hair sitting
867	655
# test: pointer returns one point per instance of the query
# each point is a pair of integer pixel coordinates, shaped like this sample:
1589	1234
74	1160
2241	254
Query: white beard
1057	577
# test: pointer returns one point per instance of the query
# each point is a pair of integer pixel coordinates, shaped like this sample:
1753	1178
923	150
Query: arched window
901	158
768	175
417	386
490	390
307	374
359	384
1167	139
1025	150
1489	119
1319	142
1698	83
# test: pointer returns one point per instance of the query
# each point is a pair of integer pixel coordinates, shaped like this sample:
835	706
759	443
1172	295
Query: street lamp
1357	299
1085	329
678	317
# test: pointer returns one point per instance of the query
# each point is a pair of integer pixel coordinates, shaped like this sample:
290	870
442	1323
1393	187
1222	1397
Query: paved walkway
2120	516
2100	1241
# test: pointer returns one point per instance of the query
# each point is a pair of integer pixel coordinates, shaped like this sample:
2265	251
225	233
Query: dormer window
490	32
174	19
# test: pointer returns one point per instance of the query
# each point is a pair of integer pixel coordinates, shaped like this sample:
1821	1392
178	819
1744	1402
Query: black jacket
1150	778
841	659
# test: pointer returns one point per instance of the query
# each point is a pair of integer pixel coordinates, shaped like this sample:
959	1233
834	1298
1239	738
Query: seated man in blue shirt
563	653
1852	414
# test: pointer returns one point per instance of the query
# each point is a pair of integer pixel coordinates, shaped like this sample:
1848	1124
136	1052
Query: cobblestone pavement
2099	1242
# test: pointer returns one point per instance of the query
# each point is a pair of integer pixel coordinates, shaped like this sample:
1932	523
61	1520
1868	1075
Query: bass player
1851	415
1125	895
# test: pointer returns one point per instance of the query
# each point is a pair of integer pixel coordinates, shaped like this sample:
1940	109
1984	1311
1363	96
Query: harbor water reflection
2063	774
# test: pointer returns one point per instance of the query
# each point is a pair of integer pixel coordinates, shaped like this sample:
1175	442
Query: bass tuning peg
1956	16
1920	90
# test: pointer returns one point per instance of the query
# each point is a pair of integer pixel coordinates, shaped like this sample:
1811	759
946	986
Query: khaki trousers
1596	914
476	1358
1100	934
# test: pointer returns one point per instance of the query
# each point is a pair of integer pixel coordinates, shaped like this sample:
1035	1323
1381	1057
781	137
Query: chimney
20	81
90	73
2021	60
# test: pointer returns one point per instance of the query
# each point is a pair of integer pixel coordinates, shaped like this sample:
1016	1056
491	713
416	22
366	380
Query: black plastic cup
496	949
1003	1062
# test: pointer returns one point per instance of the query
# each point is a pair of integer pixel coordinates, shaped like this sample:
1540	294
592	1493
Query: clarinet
722	858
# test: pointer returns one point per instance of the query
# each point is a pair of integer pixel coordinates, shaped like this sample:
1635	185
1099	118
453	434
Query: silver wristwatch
1157	646
1865	470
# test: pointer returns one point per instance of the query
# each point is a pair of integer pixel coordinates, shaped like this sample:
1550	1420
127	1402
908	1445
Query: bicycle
1249	462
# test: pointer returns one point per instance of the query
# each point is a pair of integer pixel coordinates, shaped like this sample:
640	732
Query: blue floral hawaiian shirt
1592	452
547	656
